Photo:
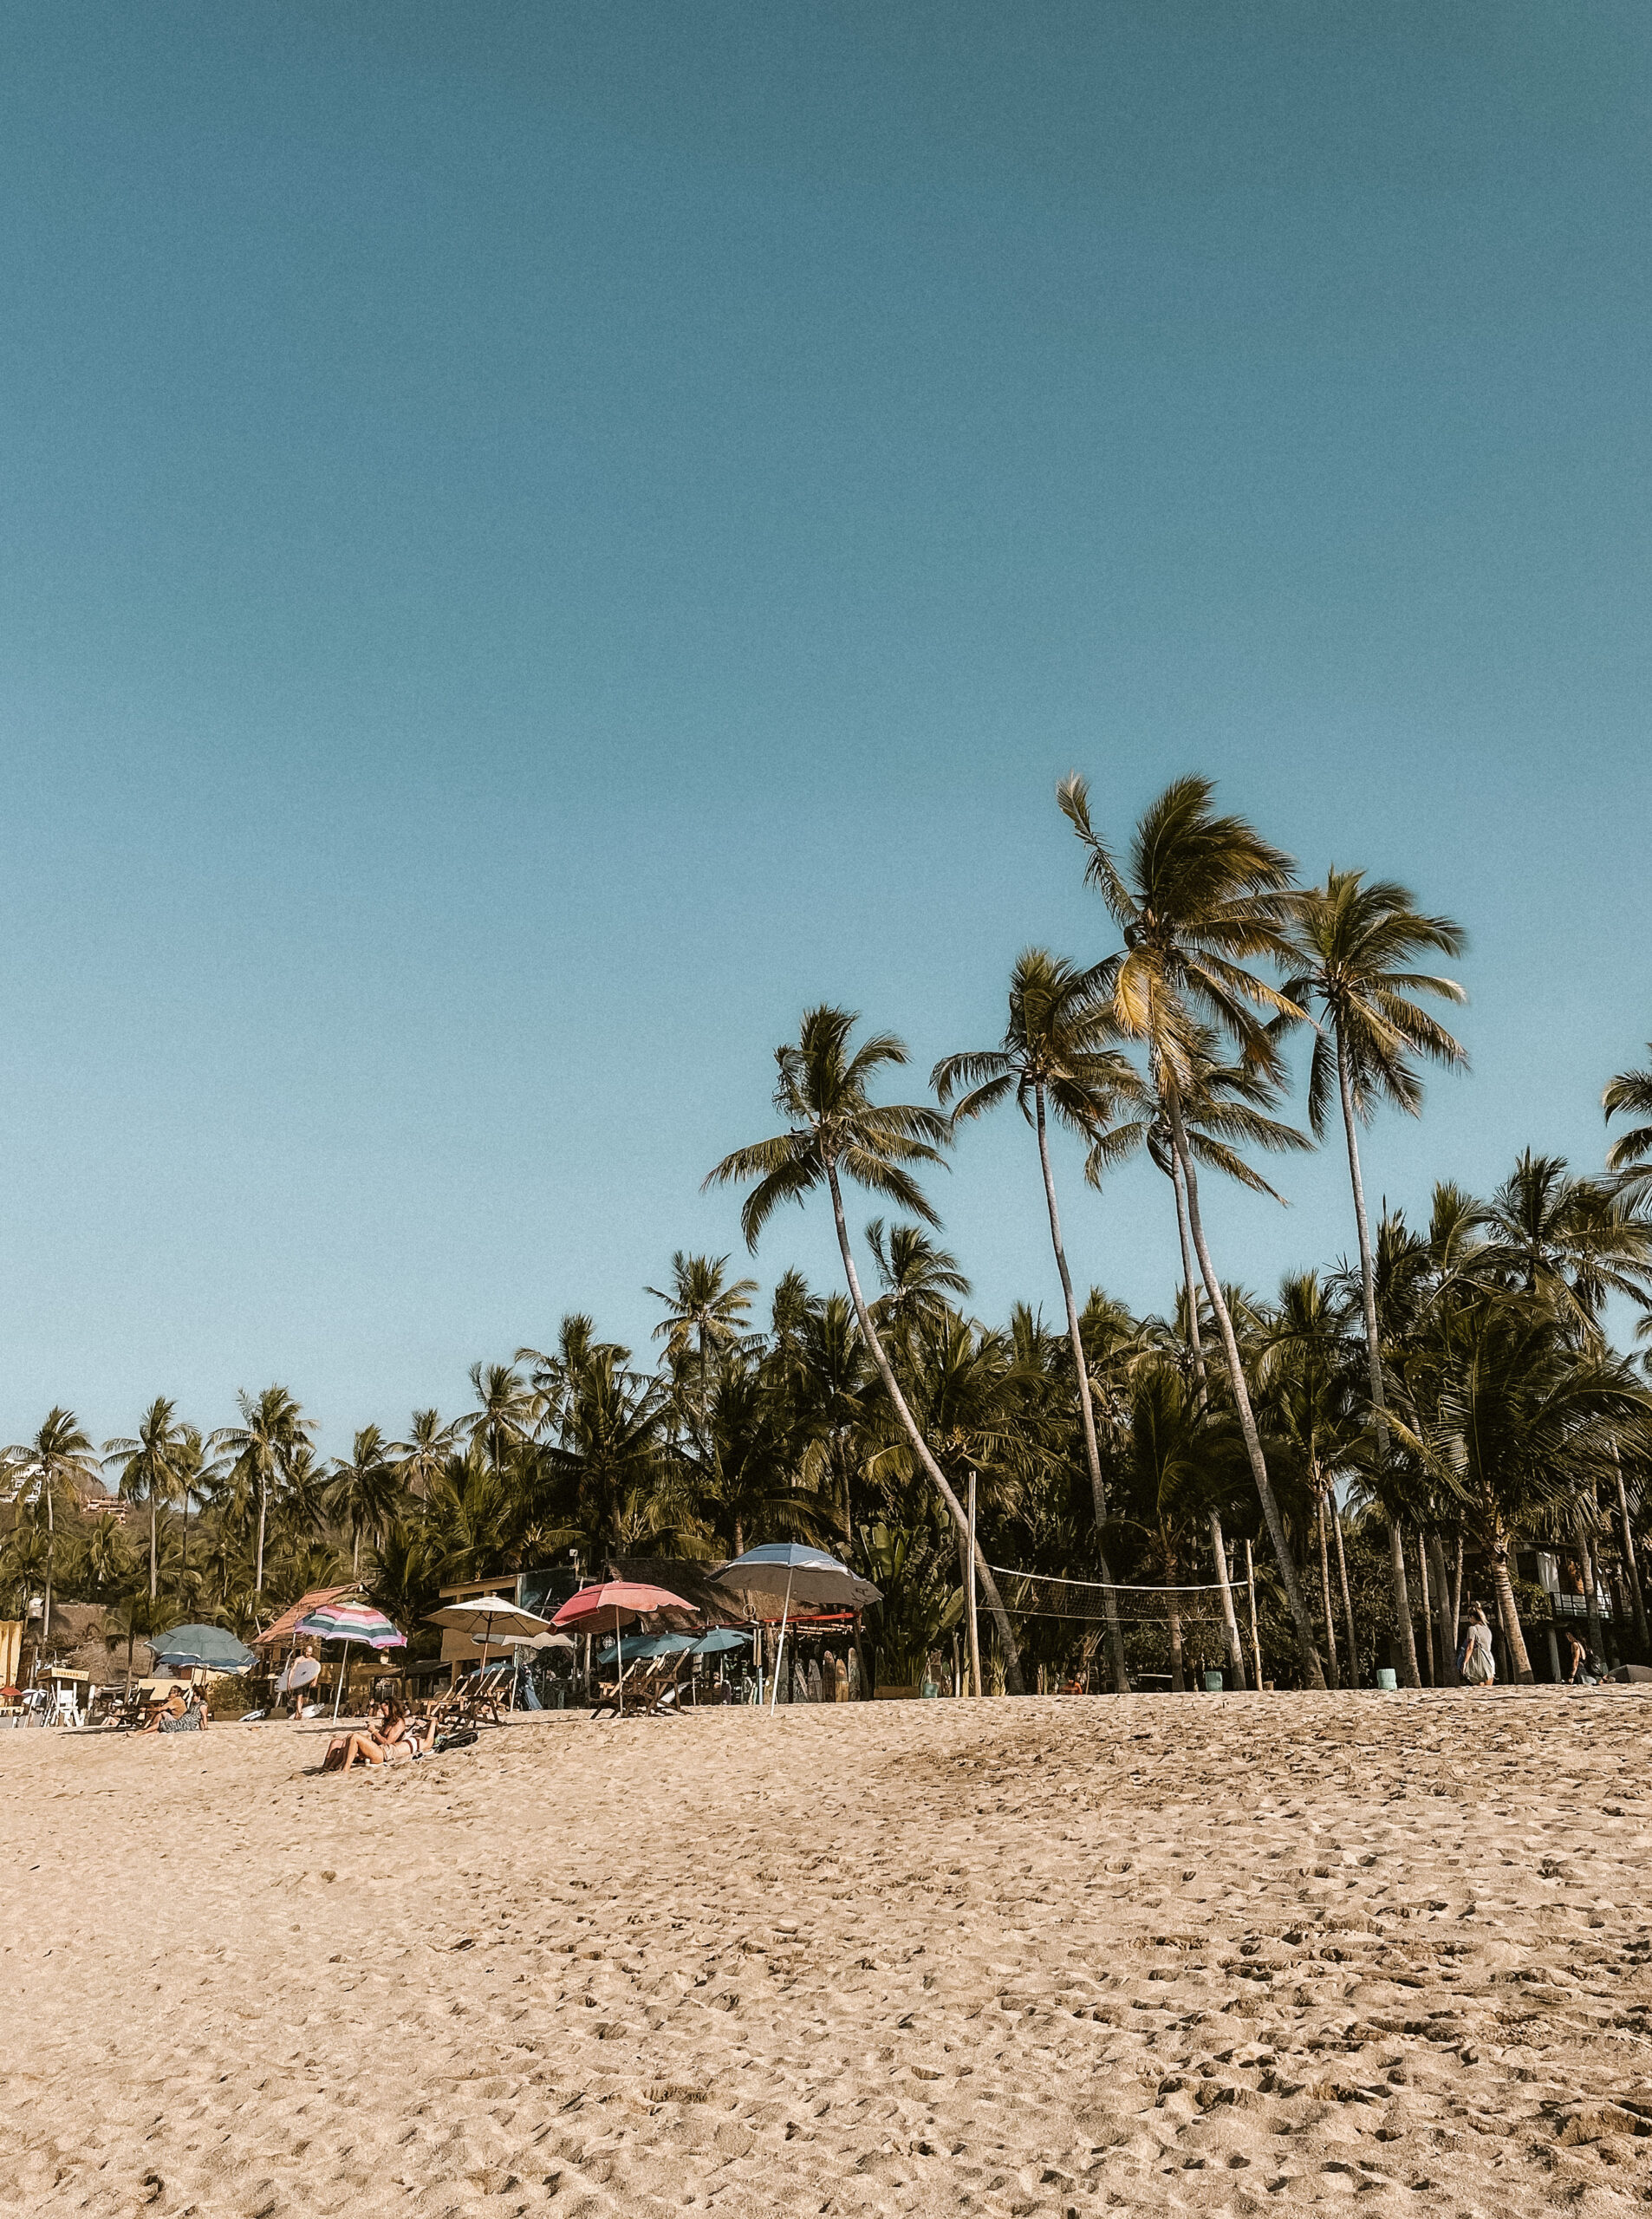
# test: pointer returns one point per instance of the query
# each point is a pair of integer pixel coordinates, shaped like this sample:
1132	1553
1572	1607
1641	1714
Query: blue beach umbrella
208	1649
719	1641
801	1574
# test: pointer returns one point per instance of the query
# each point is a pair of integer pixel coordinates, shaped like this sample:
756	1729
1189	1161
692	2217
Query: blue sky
537	541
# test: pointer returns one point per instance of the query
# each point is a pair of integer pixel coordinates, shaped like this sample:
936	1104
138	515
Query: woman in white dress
1477	1665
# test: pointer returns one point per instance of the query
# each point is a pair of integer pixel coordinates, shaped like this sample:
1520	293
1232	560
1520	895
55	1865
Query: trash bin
1214	1683
1388	1677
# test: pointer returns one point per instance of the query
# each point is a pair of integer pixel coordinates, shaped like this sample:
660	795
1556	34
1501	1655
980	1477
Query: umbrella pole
780	1647
344	1668
619	1662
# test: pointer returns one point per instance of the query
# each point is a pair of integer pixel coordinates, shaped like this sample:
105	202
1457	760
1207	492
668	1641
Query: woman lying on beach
386	1737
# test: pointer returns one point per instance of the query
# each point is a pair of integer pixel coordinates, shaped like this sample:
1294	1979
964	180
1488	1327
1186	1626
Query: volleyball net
1081	1602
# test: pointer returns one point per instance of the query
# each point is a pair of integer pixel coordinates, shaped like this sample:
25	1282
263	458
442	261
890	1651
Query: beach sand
1175	1953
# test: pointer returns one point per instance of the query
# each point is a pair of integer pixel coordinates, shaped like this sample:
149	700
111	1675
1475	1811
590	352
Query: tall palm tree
834	1132
260	1451
1206	896
59	1460
1357	947
362	1490
1058	1057
152	1469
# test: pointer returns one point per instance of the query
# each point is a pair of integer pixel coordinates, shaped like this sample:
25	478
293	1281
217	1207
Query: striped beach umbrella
348	1622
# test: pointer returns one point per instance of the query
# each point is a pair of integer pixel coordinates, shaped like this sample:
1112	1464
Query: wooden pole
1256	1638
974	1622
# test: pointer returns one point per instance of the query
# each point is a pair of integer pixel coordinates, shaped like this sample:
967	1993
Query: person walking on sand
1476	1667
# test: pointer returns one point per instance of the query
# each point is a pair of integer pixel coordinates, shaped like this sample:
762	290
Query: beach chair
475	1700
650	1690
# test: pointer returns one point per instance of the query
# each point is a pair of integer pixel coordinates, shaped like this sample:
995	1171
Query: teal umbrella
201	1648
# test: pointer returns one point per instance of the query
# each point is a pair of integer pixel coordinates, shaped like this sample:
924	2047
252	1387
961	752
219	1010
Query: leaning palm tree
152	1469
1357	946
59	1460
836	1132
1059	1058
1206	896
261	1450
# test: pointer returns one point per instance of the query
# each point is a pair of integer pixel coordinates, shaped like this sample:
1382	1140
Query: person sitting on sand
386	1737
1477	1666
183	1711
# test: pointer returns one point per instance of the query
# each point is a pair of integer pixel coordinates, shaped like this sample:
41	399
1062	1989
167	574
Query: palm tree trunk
264	1497
1256	1636
1428	1611
1195	1340
1312	1670
1373	1357
1637	1599
1592	1596
1324	1592
1447	1635
153	1543
1235	1646
921	1447
1457	1594
1173	1612
1508	1613
1092	1452
51	1566
1348	1599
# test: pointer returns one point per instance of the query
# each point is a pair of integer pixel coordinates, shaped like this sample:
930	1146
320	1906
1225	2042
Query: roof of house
287	1624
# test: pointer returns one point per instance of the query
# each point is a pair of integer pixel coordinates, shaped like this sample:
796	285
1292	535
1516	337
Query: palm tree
261	1450
1206	894
362	1491
1359	945
834	1131
1572	1241
1630	1153
1524	1424
503	1416
422	1457
1304	1375
152	1469
1058	1057
59	1460
919	1278
704	1314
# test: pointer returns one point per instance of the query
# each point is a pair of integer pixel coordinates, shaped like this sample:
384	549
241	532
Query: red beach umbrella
615	1601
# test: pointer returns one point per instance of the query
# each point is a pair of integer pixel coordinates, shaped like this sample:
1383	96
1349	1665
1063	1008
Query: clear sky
538	540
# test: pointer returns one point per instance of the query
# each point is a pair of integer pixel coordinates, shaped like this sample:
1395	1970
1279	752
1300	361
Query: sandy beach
1173	1954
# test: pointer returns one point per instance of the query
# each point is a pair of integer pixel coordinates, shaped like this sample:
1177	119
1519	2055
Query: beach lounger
650	1690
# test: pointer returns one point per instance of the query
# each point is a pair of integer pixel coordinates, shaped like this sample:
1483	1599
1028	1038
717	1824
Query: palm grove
1449	1395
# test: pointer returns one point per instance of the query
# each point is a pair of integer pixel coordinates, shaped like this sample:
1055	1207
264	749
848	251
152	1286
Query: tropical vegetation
1311	1481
